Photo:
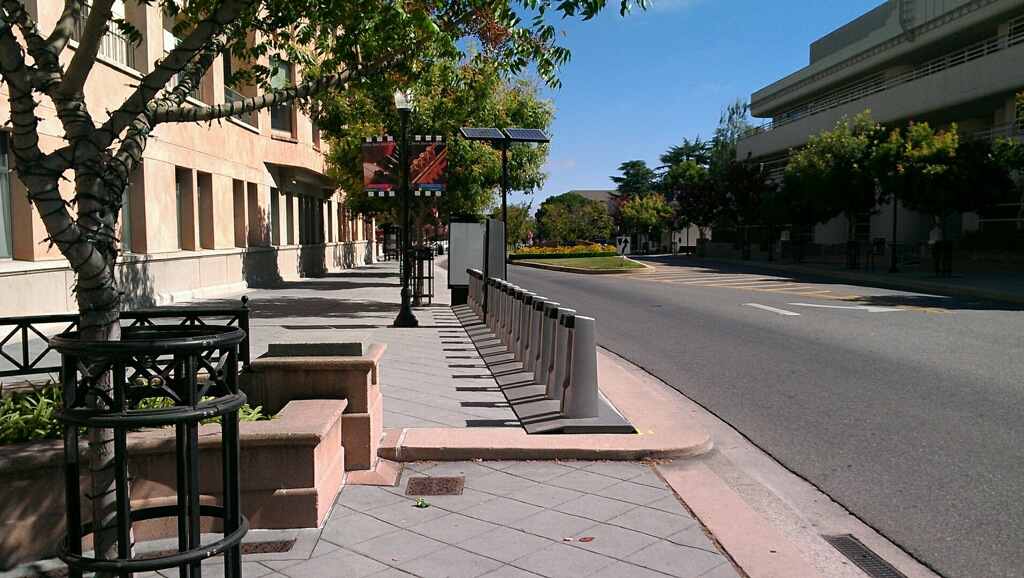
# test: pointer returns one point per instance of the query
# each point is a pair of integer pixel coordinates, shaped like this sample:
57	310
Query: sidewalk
662	502
541	505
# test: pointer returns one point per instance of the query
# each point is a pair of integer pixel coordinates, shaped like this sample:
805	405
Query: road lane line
772	309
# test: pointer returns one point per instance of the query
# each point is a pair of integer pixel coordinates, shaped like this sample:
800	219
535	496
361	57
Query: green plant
27	416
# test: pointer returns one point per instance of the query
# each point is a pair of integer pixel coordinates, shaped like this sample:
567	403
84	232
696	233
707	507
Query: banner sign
380	165
428	162
429	156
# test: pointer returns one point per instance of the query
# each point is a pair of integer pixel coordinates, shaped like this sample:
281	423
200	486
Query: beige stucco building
938	61
212	209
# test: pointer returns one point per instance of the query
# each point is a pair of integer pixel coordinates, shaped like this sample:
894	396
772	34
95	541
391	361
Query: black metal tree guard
155	362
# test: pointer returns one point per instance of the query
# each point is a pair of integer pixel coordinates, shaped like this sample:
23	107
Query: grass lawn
590	263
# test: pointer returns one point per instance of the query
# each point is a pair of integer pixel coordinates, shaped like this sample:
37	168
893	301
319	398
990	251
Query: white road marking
772	309
868	308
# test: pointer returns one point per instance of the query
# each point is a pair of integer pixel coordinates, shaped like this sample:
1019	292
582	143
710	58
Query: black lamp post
402	103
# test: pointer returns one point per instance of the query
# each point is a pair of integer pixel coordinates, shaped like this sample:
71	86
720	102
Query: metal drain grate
864	558
435	486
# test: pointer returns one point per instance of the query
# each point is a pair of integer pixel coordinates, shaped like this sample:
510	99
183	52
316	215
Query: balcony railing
114	45
880	82
230	96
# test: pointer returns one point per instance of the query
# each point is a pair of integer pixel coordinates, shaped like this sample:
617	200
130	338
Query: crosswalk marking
749	282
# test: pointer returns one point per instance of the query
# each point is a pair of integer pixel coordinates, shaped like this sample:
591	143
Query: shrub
27	416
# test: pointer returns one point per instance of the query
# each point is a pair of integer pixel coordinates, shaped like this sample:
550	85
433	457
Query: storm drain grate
864	558
435	486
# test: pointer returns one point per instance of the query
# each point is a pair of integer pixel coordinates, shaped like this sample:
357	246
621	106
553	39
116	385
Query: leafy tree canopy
447	97
570	217
636	179
646	215
833	168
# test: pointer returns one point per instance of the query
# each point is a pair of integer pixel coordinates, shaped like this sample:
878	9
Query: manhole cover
435	486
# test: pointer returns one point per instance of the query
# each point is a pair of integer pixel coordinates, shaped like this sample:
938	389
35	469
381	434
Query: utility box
465	251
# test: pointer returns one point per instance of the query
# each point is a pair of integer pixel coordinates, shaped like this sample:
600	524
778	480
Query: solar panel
526	135
481	134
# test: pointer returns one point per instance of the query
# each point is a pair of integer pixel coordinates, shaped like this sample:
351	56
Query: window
281	114
231	95
126	220
177	205
170	43
275	216
6	250
114	46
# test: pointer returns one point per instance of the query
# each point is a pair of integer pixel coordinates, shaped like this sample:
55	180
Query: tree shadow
260	267
135	281
301	306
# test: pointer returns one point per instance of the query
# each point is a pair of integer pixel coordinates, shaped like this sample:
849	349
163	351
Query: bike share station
542	356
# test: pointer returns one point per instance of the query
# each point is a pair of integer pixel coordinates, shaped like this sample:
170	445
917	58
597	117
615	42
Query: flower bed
574	251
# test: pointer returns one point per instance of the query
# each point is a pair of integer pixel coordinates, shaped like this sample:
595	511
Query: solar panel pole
504	192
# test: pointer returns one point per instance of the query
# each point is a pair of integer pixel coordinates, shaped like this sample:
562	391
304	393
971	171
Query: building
935	61
212	209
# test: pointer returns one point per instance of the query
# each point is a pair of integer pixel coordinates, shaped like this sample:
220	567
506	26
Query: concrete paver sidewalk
527	509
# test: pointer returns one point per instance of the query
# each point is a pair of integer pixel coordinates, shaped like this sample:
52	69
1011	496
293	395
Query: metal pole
504	190
892	258
405	315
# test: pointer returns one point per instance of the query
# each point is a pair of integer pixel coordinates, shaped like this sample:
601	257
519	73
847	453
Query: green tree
939	172
742	188
646	215
637	179
733	122
338	43
699	204
697	151
448	96
570	217
520	225
683	174
833	168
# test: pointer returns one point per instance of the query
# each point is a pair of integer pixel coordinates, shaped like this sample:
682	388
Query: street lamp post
405	315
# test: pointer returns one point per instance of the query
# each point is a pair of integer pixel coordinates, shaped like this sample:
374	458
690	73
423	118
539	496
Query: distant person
936	235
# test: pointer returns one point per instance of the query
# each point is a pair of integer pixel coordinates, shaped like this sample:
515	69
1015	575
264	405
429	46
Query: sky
638	85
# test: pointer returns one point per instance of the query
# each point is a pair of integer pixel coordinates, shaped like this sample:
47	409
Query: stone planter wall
292	470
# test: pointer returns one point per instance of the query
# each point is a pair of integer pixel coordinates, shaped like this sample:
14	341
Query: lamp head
403	100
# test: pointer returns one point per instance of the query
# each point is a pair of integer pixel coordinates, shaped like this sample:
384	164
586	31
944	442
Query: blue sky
640	84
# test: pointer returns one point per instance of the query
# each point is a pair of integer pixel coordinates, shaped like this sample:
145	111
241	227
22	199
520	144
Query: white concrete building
935	61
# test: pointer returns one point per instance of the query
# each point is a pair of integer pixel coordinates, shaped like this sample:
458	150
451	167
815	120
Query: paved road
903	407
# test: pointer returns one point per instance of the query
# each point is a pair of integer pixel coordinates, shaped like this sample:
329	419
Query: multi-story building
935	61
211	209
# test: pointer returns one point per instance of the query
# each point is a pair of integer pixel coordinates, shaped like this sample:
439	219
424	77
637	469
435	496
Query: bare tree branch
177	60
88	47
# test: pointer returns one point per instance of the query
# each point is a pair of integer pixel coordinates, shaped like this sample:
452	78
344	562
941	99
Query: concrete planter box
328	371
292	469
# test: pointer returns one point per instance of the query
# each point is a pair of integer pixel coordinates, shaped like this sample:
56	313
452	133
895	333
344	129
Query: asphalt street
902	407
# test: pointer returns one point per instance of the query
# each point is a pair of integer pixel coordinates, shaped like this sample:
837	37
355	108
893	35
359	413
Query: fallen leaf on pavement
587	539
